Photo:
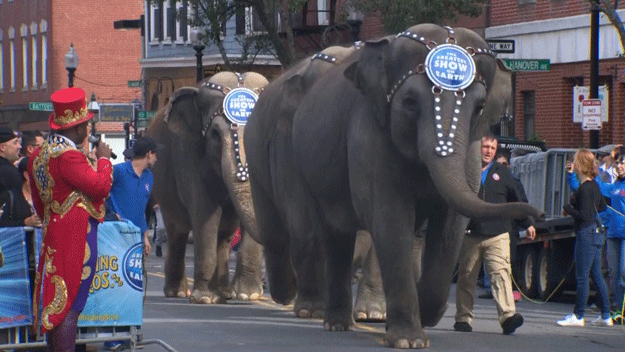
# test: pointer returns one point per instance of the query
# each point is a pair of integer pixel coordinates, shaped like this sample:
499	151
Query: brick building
35	35
558	31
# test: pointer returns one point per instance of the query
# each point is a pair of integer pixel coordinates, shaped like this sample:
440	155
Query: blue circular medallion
450	67
238	105
133	266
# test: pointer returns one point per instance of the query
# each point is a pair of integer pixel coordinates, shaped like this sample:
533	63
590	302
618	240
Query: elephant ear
499	94
293	92
182	114
368	74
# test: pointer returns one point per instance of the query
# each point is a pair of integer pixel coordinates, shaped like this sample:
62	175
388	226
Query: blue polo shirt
130	193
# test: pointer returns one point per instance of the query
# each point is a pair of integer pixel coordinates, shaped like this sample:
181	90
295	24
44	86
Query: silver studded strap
321	56
242	170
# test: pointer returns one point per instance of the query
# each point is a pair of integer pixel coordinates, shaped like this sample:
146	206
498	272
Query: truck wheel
527	280
546	274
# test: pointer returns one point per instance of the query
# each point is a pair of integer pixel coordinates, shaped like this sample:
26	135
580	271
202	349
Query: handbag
600	227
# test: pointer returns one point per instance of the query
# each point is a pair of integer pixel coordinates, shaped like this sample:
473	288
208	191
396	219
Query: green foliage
398	15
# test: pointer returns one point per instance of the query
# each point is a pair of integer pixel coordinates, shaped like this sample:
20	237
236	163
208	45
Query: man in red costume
68	191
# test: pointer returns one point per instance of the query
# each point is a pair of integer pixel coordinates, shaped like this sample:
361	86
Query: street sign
528	64
591	114
146	114
116	112
501	45
134	84
35	106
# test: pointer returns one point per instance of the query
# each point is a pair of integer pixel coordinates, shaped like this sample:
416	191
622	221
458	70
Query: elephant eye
410	103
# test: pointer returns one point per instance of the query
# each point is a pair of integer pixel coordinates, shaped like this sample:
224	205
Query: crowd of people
59	183
597	225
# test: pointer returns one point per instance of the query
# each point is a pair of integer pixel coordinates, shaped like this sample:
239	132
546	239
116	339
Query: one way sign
501	46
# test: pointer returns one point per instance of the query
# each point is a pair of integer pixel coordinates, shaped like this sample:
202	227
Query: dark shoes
512	323
159	251
462	326
486	295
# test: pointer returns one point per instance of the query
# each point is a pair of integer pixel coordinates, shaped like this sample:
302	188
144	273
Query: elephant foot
341	322
396	338
430	316
309	308
370	307
206	297
247	289
180	291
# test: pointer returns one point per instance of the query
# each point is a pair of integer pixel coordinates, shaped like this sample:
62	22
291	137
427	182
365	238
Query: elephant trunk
238	187
456	177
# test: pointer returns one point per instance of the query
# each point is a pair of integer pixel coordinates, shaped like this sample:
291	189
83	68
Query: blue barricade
116	295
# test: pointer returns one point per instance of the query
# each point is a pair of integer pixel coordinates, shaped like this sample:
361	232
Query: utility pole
594	65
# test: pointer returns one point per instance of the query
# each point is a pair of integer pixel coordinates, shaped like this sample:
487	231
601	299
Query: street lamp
198	45
71	62
354	20
94	107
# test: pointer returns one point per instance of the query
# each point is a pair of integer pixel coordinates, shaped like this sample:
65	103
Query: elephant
386	141
278	104
197	187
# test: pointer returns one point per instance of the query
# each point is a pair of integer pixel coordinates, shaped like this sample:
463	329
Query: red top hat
70	108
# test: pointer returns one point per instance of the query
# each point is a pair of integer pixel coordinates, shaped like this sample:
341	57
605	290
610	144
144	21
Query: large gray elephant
197	187
387	141
278	105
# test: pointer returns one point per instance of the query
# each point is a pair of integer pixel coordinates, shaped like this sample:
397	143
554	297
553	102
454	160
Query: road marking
221	321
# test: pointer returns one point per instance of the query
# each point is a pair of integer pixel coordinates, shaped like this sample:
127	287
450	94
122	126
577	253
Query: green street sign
134	84
143	115
527	64
40	106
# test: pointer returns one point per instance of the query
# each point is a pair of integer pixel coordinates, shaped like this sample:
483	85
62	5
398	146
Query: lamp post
71	62
198	46
354	20
94	107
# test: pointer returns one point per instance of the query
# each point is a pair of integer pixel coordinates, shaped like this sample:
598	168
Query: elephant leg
442	244
276	241
247	283
205	238
176	284
308	260
370	303
339	255
221	280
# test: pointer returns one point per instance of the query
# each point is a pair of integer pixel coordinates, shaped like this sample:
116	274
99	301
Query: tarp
15	305
116	295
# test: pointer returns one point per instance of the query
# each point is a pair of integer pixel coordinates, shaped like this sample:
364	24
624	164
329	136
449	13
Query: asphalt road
266	326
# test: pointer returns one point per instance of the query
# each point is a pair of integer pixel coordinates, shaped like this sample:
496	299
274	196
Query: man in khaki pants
489	240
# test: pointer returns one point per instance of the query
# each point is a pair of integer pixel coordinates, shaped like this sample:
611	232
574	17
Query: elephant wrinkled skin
276	195
196	186
363	157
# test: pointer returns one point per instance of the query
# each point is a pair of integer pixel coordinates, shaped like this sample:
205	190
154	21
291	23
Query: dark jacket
16	209
9	176
499	187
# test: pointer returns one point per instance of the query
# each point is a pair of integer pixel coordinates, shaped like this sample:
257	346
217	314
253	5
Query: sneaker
486	295
159	251
602	322
516	295
511	324
462	326
571	320
112	345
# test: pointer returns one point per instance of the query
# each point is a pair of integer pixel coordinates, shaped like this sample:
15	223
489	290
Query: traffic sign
501	45
146	114
528	64
591	114
134	84
35	106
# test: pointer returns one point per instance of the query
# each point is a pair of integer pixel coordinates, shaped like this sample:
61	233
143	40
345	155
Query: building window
43	28
34	54
182	24
12	56
529	114
156	23
323	12
1	66
25	66
170	18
